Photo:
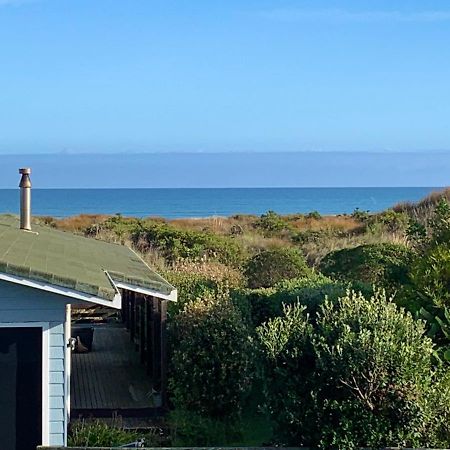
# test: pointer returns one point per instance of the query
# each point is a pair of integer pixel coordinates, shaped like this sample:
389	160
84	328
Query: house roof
70	261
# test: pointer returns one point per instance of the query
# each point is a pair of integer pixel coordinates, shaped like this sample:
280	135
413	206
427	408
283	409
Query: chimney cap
25	171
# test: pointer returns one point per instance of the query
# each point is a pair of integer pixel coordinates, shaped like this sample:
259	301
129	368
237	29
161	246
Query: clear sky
230	75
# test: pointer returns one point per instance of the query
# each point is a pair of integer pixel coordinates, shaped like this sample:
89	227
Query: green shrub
267	303
391	220
360	376
314	290
439	224
360	215
272	266
199	279
100	434
429	293
211	358
430	276
256	302
314	215
271	223
118	225
191	286
381	264
434	231
428	296
177	244
191	429
312	236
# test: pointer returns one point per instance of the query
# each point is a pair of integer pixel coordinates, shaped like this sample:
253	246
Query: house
42	272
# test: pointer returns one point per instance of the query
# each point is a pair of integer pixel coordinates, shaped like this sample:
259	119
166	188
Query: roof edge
151	270
172	296
156	286
116	302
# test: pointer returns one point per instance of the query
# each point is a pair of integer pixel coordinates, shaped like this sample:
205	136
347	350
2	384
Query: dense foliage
100	434
271	223
195	280
266	303
290	307
179	244
272	266
360	376
190	428
382	264
211	358
428	296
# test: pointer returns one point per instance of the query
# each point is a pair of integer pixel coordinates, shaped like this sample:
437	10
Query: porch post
163	318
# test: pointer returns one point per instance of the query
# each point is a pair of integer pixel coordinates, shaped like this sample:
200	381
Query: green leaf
447	314
426	315
447	355
444	327
434	328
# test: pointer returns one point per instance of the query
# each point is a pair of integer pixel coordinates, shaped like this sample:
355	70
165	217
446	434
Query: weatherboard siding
20	304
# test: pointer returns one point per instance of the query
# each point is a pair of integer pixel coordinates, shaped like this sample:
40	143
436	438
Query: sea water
205	202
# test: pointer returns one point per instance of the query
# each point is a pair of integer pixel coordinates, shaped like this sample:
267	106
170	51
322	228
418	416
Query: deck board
110	377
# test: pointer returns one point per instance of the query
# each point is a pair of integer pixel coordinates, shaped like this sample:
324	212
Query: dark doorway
20	388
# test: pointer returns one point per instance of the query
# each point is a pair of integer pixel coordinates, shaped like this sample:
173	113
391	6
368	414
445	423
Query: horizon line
227	187
227	152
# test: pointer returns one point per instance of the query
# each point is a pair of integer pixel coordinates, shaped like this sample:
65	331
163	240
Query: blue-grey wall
23	304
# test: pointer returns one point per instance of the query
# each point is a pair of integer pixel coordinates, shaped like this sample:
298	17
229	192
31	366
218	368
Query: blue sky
216	76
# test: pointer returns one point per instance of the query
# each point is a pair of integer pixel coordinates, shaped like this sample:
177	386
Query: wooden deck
111	378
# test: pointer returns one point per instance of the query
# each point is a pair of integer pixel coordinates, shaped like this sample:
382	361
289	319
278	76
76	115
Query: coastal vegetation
303	330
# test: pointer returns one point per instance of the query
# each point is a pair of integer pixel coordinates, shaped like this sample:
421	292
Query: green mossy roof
72	261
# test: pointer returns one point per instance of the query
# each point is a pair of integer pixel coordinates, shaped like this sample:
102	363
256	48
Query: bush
271	223
431	277
211	358
177	244
391	220
361	376
381	264
314	215
429	293
311	292
100	434
312	236
435	231
424	207
201	279
191	429
360	215
117	227
272	266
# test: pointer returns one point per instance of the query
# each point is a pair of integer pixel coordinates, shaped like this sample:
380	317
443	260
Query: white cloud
345	16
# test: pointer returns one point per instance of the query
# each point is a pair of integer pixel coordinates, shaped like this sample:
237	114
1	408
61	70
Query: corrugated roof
71	261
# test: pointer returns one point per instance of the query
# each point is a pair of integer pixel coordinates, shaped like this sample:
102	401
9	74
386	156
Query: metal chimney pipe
25	199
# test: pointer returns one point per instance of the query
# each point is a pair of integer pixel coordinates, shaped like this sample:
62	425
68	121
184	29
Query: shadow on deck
111	379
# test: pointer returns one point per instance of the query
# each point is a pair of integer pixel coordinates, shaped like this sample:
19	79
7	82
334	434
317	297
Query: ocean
193	202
